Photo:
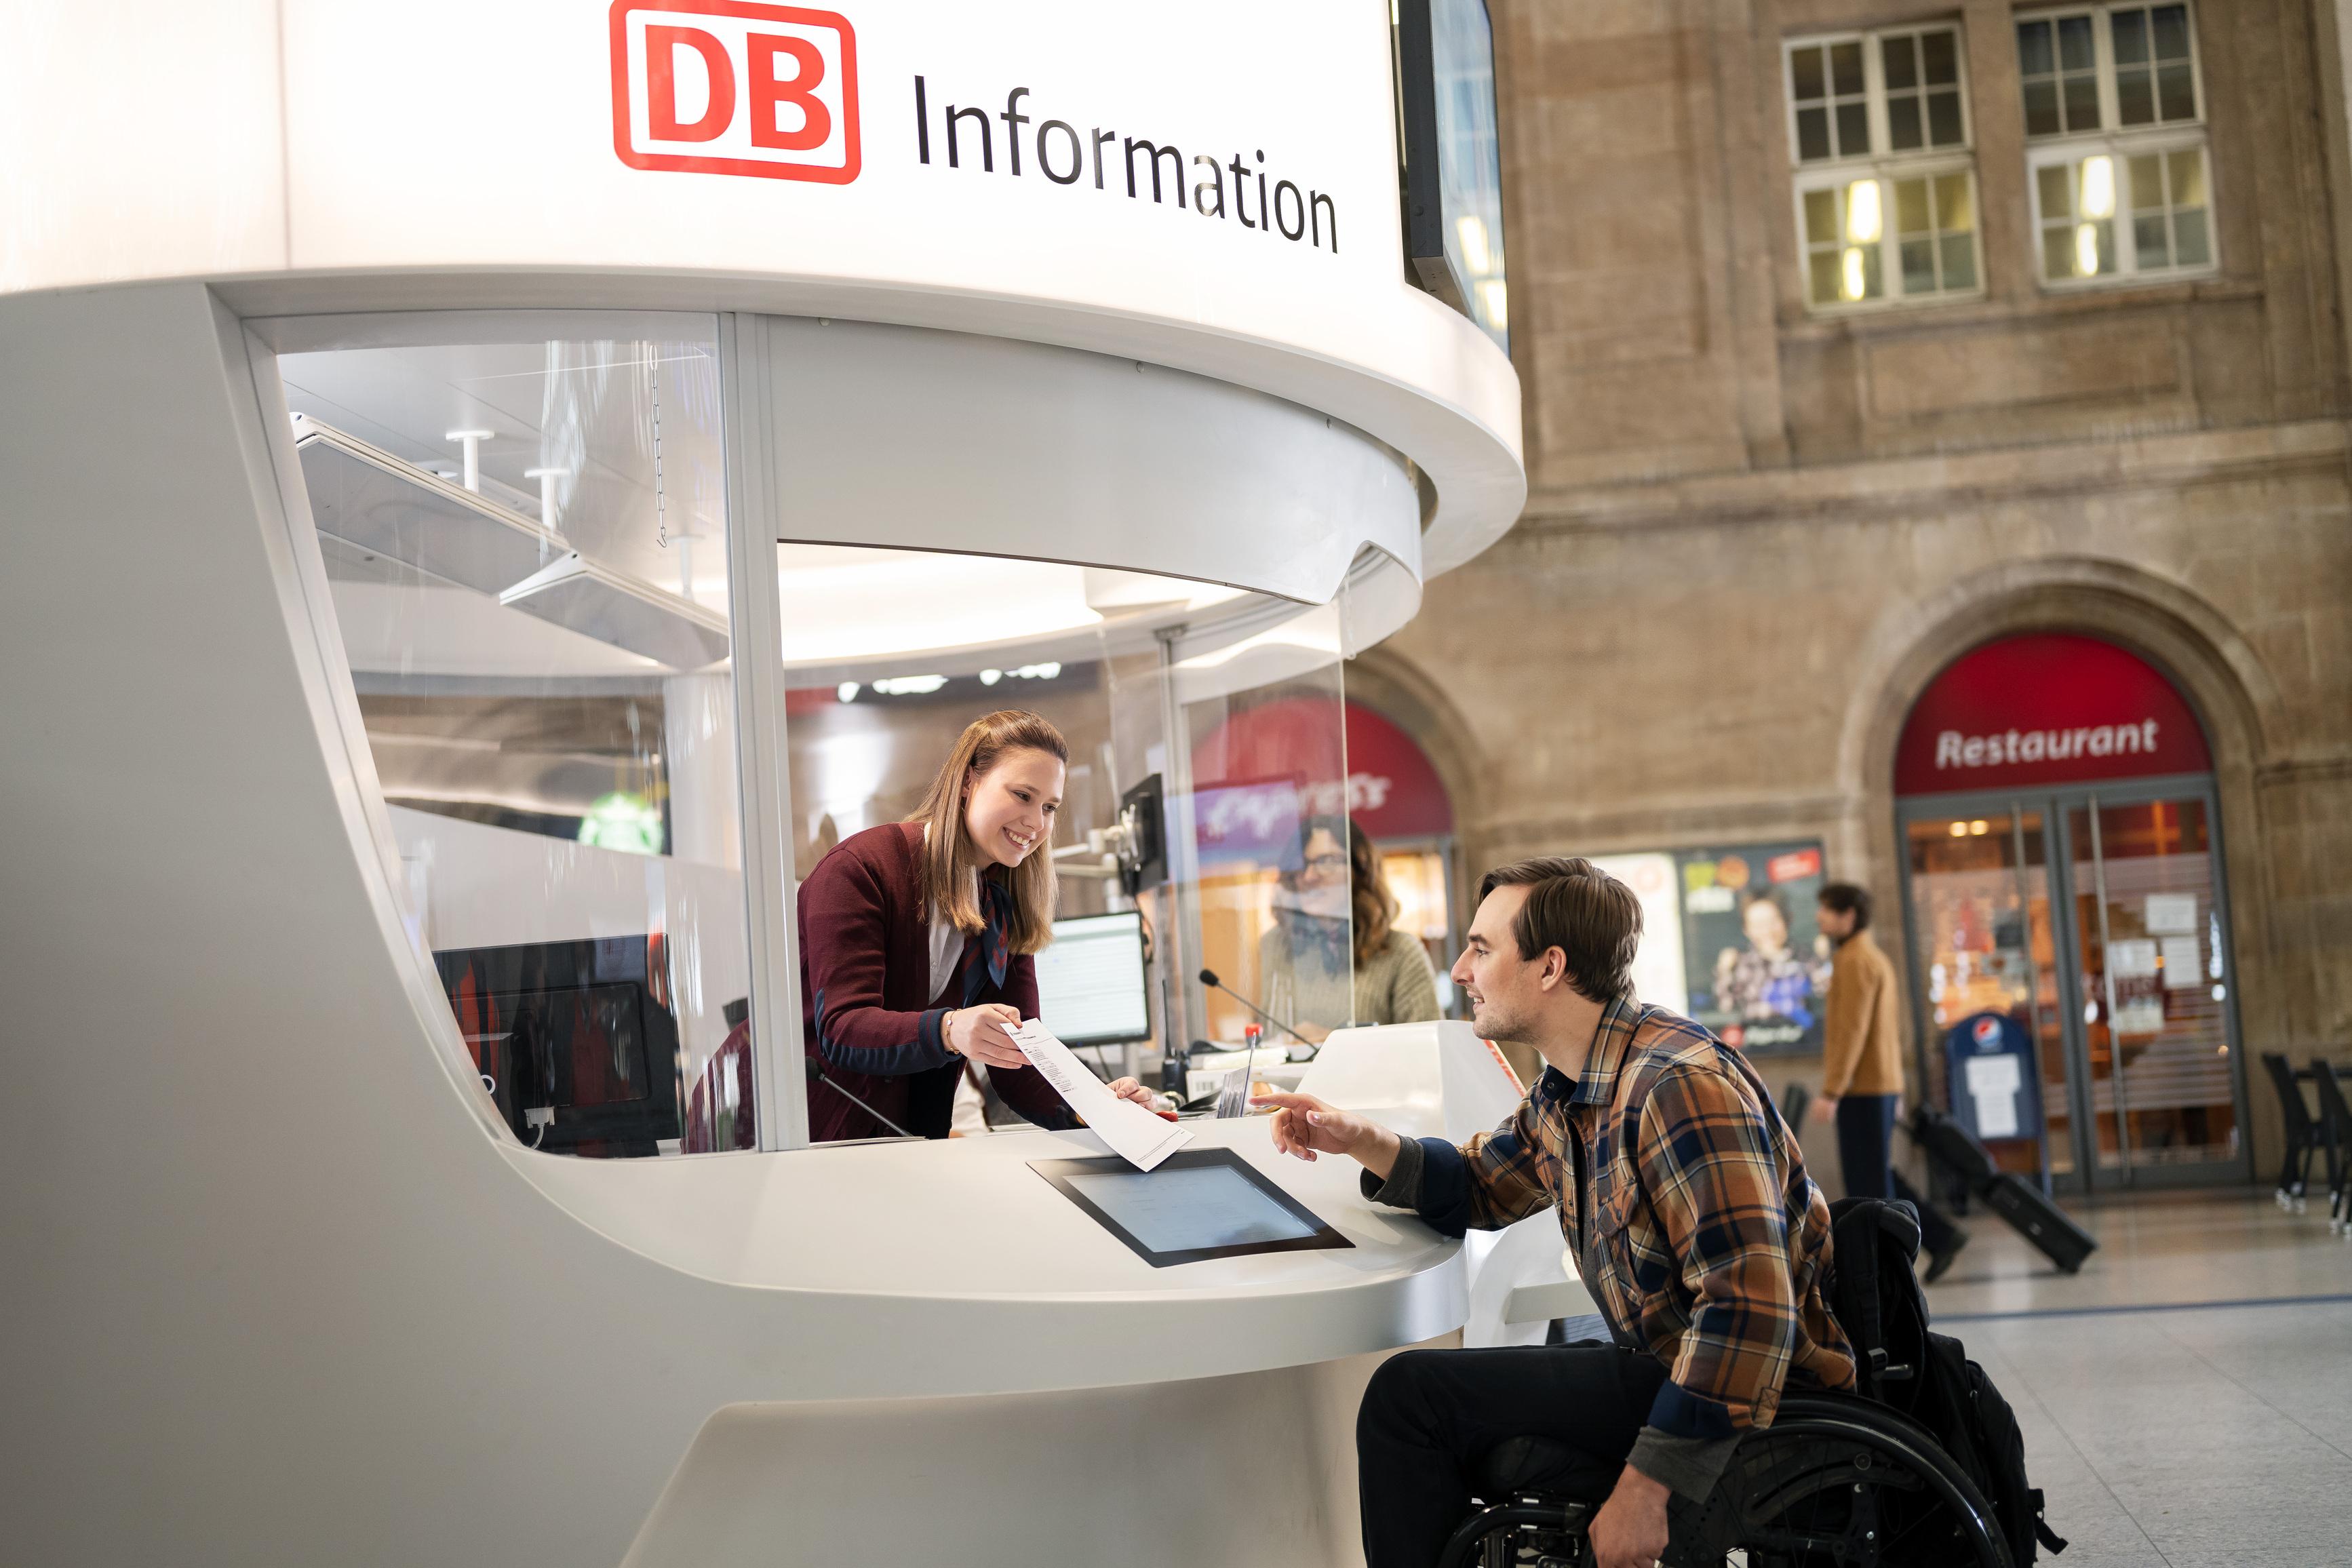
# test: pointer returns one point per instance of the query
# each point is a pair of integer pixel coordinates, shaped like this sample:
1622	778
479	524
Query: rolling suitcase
2040	1221
2019	1201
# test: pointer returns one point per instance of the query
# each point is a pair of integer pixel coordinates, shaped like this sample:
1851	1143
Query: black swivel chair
2302	1133
2336	1124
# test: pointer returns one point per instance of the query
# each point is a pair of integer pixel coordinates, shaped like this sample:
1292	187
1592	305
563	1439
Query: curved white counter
937	1268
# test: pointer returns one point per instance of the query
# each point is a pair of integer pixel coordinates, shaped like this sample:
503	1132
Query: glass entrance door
2096	921
2157	1030
1984	942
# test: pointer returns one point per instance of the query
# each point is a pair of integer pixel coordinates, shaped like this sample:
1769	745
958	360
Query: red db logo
726	87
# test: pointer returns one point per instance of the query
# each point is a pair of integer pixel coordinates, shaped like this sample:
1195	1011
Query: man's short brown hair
1845	898
1592	917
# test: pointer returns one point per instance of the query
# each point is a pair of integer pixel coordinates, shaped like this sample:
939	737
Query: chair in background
2336	1124
2302	1133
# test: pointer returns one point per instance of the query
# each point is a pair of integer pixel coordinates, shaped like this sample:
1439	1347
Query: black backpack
1876	1299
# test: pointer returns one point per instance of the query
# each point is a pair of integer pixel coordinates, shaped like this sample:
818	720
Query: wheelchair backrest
1876	1297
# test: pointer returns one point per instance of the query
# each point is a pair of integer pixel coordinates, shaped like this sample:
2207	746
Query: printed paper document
1133	1132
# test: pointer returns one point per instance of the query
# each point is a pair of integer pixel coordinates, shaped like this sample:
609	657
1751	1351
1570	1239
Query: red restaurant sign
2046	708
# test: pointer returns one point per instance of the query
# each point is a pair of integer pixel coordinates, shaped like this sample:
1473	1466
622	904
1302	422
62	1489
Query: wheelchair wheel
1843	1484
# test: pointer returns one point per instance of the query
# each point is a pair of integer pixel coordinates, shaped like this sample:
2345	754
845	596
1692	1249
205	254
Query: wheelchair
1838	1480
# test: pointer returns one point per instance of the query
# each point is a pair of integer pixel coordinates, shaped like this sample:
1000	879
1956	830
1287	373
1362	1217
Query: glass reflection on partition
1261	825
525	546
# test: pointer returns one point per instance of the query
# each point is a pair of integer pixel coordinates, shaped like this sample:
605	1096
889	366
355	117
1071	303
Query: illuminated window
1885	186
2116	144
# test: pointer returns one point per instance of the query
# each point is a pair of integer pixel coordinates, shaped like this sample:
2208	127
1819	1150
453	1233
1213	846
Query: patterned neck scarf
994	950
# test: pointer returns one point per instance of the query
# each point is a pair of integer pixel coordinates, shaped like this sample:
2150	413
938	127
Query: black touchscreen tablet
1197	1204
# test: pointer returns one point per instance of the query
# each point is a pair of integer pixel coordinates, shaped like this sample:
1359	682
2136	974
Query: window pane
1805	75
2148	184
2058	251
1942	56
1901	57
2035	56
2057	191
2041	108
2134	97
2176	92
1903	131
2094	248
1821	217
2150	238
1918	267
1954	204
2081	103
1911	206
2131	37
2189	179
1824	277
1944	119
1960	261
539	660
1845	69
2074	51
1813	134
2172	32
1873	282
1853	130
2193	245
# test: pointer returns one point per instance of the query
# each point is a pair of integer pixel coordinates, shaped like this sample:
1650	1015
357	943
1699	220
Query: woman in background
1395	982
918	936
1333	954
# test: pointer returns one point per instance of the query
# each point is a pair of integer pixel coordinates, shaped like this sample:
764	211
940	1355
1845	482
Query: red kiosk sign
2046	708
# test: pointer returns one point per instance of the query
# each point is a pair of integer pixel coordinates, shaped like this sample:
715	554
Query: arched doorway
2064	888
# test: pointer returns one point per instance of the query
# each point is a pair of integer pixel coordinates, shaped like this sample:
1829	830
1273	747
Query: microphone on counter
1209	978
818	1075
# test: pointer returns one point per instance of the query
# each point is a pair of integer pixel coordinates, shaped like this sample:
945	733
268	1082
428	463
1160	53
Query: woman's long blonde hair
952	866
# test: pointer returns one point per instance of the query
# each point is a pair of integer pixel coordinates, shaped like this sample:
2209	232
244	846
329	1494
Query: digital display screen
1090	981
1197	1204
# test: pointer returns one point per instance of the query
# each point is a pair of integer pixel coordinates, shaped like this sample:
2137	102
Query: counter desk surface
949	1267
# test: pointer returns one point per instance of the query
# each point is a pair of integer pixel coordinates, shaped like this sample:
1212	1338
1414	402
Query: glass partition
1260	819
525	544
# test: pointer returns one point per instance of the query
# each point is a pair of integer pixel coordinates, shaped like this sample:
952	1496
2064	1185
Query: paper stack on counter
1143	1138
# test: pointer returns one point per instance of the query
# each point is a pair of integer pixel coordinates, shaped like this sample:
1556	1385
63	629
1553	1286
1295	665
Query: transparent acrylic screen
1267	883
525	544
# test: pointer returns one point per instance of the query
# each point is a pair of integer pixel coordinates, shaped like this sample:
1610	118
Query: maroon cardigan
867	1008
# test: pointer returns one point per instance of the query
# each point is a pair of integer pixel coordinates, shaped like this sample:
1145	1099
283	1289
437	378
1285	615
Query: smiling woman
918	941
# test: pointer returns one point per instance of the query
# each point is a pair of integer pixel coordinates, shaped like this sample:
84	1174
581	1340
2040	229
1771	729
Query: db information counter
498	491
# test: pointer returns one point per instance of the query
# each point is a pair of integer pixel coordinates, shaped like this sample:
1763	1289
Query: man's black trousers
1865	1134
1430	1416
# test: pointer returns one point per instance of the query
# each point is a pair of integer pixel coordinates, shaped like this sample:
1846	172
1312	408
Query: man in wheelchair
1682	1197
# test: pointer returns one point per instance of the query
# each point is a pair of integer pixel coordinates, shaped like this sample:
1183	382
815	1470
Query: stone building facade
1763	514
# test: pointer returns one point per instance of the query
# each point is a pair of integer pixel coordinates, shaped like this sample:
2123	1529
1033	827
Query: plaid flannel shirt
1709	1246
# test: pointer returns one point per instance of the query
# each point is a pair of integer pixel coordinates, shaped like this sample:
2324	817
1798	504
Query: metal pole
753	506
2108	980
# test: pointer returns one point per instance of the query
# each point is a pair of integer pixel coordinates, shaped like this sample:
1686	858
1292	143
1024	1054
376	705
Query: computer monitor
1090	981
569	1034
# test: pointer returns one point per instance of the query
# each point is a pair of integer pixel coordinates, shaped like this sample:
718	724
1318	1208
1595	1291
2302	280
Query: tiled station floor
2187	1399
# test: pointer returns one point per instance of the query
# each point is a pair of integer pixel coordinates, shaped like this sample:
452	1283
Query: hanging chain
661	510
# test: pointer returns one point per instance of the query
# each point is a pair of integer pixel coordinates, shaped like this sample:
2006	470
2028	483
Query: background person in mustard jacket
1862	1069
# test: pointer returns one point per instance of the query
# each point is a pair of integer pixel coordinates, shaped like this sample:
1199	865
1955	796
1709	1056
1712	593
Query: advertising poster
1754	964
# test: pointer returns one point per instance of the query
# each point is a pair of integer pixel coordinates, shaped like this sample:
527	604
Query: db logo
726	87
